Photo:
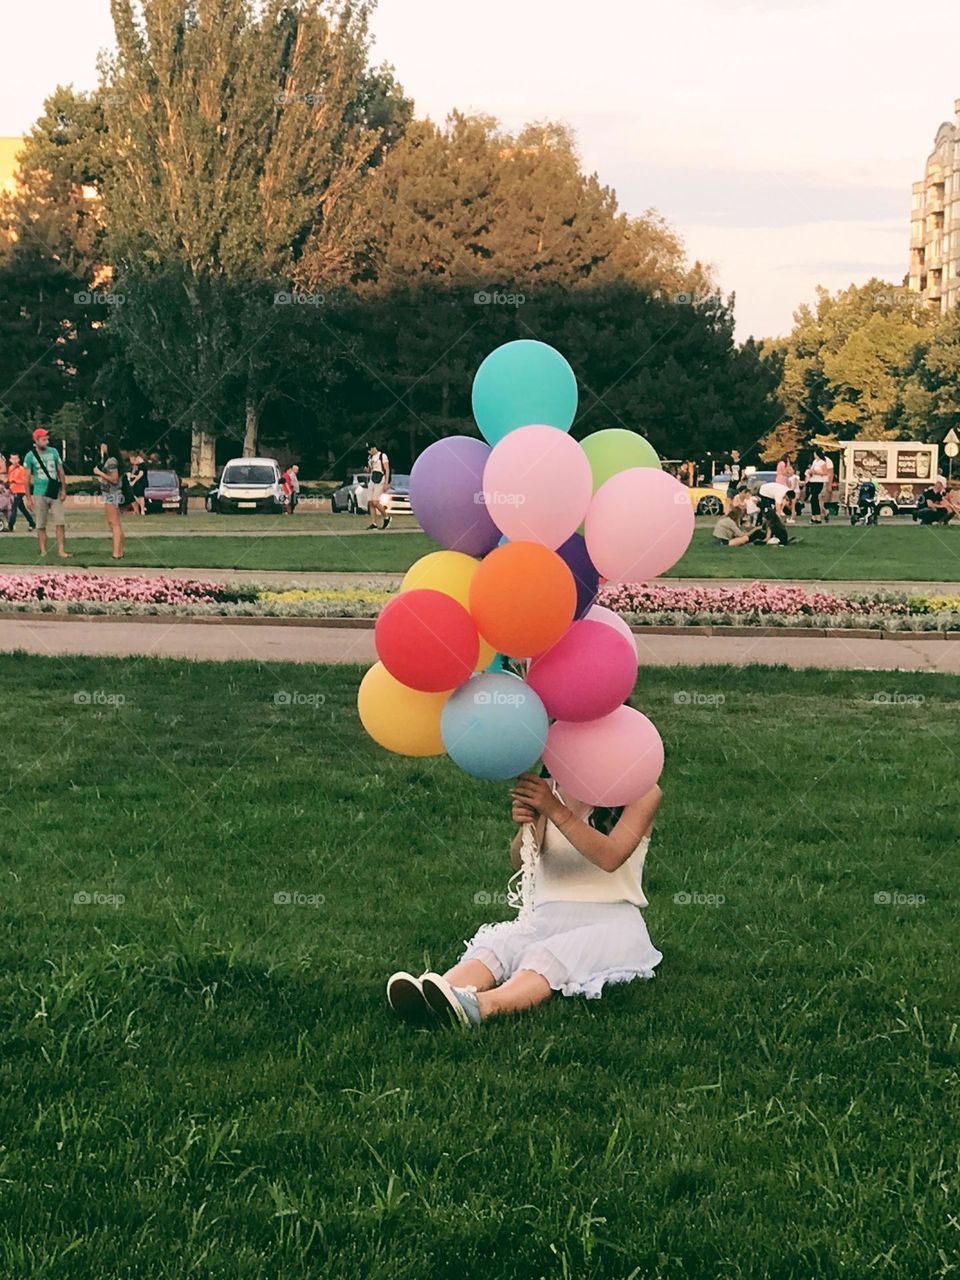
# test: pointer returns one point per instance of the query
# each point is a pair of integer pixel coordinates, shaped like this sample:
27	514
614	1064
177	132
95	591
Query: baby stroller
866	511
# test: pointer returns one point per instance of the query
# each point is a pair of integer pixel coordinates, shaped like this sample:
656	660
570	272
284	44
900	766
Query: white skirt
577	946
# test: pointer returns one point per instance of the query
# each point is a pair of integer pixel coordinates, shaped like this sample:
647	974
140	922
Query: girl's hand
534	793
522	814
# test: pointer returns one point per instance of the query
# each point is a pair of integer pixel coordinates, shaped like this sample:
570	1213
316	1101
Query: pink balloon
611	761
537	485
586	674
639	524
598	613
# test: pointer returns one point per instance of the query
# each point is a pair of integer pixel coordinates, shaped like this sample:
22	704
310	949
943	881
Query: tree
241	144
931	395
844	365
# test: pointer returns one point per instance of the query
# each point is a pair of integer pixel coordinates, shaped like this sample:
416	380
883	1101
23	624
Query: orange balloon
523	598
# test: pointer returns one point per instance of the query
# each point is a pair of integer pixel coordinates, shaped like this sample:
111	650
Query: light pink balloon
611	761
610	618
586	674
639	524
537	484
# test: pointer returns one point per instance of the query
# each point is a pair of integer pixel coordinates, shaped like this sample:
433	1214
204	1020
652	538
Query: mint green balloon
521	384
614	450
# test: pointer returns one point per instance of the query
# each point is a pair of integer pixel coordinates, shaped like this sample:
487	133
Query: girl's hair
602	818
818	453
112	449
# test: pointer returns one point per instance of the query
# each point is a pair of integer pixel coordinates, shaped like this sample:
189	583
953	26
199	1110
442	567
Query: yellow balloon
402	720
450	572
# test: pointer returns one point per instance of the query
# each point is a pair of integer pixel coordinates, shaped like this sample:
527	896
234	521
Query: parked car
397	497
752	479
164	492
351	496
249	485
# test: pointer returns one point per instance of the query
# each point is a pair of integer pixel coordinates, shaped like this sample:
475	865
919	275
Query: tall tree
844	364
241	144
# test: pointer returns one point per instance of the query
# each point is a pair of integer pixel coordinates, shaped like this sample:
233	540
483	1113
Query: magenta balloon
586	674
612	761
639	524
609	618
446	494
537	485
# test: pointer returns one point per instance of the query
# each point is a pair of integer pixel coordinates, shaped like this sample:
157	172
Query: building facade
935	221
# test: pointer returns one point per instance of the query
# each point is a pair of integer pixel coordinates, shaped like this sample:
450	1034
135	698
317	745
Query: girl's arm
606	852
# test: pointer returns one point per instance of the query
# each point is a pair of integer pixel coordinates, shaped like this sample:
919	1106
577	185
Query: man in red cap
46	490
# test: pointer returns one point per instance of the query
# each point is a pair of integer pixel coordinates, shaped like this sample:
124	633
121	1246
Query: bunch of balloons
531	521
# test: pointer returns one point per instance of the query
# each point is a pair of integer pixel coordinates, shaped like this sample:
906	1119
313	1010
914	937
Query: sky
779	137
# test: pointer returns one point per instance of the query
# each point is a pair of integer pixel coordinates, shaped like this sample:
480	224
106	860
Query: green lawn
199	1081
889	553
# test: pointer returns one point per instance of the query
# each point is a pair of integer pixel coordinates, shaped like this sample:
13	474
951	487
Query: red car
164	492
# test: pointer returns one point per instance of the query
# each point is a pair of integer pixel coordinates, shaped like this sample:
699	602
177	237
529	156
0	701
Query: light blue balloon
522	383
494	726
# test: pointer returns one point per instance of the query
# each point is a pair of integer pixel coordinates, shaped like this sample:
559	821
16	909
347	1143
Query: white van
249	484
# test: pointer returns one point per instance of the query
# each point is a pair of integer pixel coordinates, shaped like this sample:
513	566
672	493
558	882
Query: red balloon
427	641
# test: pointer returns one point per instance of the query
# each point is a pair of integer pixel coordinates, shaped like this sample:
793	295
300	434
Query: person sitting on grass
934	506
583	930
728	531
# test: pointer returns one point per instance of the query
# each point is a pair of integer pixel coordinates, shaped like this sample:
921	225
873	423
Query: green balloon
616	449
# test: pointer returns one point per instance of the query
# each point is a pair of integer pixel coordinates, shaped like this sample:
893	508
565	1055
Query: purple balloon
446	493
585	573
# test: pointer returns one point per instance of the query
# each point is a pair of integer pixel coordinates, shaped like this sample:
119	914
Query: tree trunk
250	430
203	455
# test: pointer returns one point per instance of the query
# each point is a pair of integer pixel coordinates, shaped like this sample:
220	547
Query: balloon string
522	885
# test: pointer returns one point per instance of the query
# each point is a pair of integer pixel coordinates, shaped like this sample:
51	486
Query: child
582	929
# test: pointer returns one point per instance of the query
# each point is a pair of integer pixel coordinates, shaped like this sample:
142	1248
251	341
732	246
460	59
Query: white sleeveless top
563	874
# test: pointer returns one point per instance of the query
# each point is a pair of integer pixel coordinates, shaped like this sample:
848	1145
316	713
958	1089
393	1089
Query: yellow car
708	502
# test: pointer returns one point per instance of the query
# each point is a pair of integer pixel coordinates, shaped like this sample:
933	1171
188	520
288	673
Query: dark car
164	492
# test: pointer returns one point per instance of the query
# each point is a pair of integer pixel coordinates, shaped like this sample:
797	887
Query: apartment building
935	221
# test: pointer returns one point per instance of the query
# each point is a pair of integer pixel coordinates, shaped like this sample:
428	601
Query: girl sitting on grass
582	929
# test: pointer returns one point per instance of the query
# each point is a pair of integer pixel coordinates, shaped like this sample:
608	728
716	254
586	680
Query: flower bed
773	605
641	604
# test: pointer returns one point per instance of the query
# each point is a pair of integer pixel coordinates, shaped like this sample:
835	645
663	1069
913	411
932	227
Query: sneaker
791	521
405	997
458	1004
386	522
370	526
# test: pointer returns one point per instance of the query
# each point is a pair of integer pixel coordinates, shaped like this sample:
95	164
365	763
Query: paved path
267	643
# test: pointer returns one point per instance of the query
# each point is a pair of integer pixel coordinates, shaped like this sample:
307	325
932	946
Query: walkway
268	642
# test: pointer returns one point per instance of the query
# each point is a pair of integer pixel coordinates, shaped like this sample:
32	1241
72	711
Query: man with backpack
46	491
